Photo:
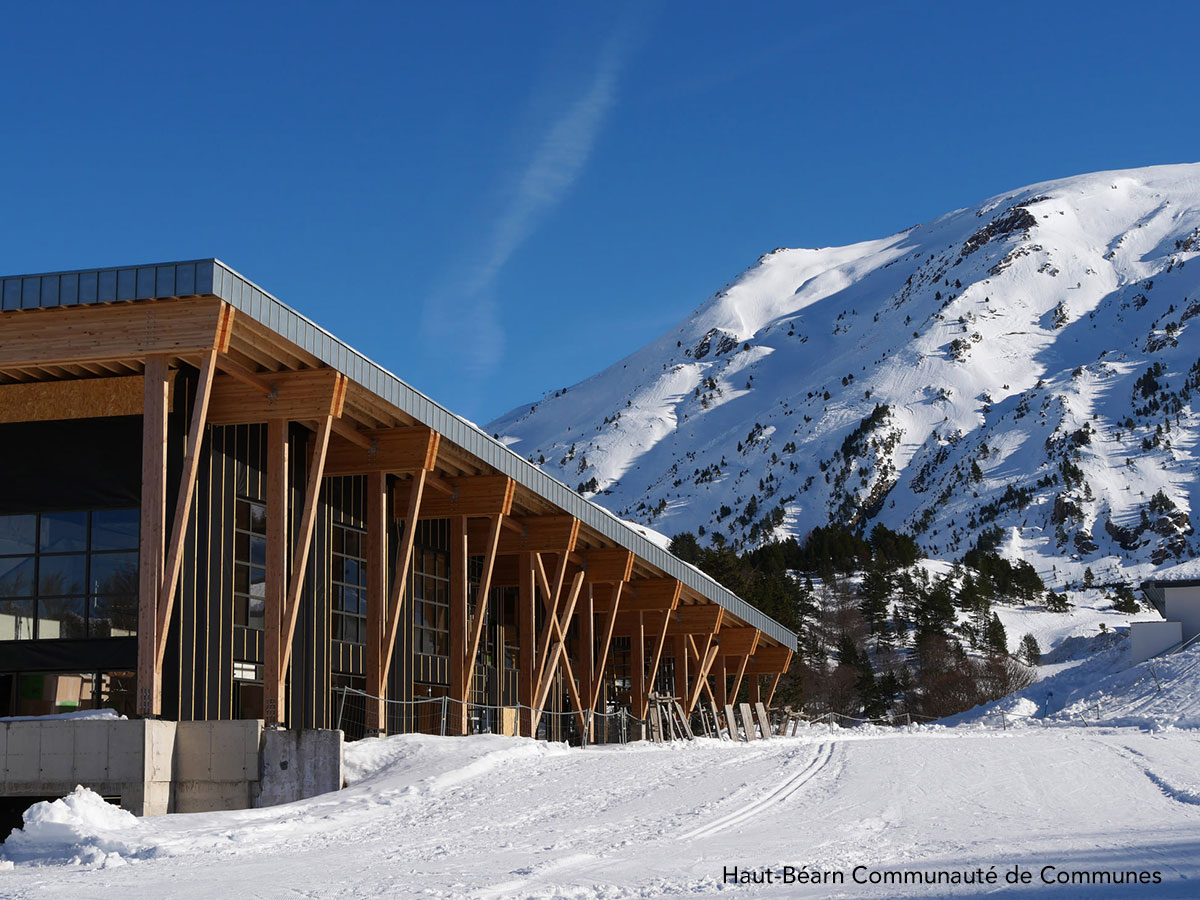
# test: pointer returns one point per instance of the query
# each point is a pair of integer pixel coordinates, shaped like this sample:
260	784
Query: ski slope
493	817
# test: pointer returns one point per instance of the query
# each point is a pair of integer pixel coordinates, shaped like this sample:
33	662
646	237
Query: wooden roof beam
475	496
536	534
701	619
651	595
310	394
608	566
397	450
769	661
737	641
73	335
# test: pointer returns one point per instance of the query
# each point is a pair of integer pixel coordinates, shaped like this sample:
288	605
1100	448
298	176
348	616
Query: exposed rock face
1027	364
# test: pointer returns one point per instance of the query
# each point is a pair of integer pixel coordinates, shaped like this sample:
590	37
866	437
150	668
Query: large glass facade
68	574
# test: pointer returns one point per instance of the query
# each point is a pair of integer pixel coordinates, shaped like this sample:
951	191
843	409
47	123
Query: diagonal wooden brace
183	503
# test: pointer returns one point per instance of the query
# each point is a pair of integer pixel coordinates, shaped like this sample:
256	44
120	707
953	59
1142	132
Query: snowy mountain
1020	370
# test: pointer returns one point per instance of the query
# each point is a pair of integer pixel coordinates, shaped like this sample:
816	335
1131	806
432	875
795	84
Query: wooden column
277	554
606	636
722	683
755	689
587	653
679	652
152	537
637	667
377	594
527	658
456	714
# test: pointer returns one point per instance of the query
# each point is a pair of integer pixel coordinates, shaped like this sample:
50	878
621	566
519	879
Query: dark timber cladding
211	508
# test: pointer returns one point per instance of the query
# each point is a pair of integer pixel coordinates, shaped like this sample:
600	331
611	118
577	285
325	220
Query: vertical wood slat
396	596
679	653
637	666
304	535
605	644
457	712
654	663
376	598
587	656
152	536
481	603
219	588
276	574
526	656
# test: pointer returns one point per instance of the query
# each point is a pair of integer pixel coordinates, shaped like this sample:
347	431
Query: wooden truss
121	358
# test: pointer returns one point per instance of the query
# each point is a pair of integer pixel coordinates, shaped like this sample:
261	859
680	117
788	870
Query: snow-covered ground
493	817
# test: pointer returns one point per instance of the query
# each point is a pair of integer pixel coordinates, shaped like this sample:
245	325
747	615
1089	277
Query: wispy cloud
467	308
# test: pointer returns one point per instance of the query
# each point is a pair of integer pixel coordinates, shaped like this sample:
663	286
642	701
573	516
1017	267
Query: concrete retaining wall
157	766
1147	639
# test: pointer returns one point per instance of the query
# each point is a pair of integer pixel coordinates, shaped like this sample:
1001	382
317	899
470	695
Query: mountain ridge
1021	364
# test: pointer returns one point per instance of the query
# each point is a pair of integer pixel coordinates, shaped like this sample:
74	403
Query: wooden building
205	500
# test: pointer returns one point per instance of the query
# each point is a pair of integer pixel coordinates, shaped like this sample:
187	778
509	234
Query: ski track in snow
491	818
783	792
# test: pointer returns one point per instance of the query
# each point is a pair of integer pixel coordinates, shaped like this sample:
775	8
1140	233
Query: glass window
249	563
348	577
59	575
60	571
62	617
16	620
16	576
430	589
18	534
115	529
63	532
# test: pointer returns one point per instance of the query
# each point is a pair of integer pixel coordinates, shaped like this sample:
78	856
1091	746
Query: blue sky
495	200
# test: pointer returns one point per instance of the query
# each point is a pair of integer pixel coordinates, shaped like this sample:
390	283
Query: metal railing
431	715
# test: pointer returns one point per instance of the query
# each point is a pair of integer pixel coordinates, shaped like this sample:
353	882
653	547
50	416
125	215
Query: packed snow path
490	817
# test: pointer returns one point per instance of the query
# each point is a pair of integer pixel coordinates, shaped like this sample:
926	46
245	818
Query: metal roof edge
212	276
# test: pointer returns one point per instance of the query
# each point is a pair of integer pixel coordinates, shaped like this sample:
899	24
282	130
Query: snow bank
78	716
1090	681
79	829
428	762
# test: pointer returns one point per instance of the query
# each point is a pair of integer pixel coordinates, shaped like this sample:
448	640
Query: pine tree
996	638
875	589
1125	601
1031	653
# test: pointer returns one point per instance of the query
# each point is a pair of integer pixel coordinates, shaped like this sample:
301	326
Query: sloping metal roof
211	276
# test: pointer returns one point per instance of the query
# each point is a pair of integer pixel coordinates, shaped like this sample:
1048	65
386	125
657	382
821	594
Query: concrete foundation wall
157	766
1147	639
127	759
217	764
299	764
